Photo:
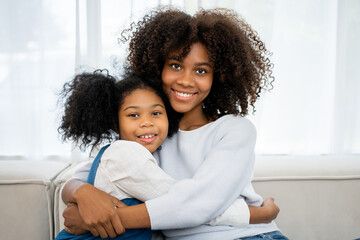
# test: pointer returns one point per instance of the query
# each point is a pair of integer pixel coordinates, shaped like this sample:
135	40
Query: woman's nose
186	80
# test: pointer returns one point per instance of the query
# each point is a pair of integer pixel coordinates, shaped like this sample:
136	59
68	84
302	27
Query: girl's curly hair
242	68
91	102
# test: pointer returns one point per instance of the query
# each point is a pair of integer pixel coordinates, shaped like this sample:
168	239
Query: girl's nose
147	123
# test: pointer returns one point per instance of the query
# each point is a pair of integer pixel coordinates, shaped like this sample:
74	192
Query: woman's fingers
116	223
108	227
94	231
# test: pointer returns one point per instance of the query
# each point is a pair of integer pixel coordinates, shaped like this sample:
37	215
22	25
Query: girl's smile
148	138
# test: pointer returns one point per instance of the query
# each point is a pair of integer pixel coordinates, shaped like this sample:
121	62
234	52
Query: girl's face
143	119
188	81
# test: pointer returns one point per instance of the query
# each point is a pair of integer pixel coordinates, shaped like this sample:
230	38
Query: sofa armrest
59	205
26	198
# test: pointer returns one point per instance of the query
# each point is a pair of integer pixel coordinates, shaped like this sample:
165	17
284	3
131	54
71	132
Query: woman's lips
183	96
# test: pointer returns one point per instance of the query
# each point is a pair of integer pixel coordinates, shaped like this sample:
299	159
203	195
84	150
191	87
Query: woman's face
188	81
143	119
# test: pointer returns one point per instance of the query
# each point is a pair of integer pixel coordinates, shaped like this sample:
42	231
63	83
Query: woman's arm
223	175
132	216
129	167
73	192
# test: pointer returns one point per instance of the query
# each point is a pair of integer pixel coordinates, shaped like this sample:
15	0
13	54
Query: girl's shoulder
128	147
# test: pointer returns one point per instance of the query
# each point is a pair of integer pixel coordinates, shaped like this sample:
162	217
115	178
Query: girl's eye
175	66
156	113
133	115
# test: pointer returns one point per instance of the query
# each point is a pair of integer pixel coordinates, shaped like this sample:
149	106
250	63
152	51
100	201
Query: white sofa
319	197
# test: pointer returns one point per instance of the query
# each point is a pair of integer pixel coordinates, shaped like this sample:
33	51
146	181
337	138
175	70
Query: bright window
313	108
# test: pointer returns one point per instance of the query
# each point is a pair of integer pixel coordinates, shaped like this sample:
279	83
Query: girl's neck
193	119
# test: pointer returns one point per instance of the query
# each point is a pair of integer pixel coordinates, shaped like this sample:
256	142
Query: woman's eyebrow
175	57
203	63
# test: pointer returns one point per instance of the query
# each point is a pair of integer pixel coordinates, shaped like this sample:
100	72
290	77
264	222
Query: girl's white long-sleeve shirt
214	166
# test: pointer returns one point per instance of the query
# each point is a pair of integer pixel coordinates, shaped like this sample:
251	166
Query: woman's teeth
183	94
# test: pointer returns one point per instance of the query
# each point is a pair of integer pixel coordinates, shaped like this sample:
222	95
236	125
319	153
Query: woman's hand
264	214
96	208
98	211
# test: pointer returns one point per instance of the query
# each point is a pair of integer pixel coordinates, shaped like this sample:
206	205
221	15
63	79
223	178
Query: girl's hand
264	214
272	209
98	212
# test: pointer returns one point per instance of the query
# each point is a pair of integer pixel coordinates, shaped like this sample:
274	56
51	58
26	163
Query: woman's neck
193	120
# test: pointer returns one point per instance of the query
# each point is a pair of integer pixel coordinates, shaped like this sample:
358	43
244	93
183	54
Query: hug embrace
181	155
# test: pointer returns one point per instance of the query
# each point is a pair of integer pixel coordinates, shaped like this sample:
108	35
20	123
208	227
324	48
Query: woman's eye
134	115
175	66
201	71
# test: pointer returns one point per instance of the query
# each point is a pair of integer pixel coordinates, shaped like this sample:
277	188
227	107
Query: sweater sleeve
134	170
217	183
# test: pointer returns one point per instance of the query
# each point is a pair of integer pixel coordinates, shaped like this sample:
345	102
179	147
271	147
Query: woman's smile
183	96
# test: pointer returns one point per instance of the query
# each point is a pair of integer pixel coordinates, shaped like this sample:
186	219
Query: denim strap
95	165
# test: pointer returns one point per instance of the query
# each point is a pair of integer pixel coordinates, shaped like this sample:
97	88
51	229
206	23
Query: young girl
97	108
212	66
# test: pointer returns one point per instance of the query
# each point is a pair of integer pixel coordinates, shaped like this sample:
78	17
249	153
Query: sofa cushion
318	196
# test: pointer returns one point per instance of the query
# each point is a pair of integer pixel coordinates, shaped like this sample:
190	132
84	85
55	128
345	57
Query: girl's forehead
142	97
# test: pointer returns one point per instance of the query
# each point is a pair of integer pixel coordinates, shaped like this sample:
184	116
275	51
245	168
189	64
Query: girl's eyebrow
152	106
158	105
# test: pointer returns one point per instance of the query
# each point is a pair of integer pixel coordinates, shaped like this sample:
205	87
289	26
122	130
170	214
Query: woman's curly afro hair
242	68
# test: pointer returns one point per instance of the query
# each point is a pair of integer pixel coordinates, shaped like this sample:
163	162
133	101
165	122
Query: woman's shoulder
232	122
236	127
